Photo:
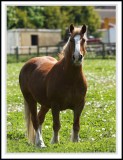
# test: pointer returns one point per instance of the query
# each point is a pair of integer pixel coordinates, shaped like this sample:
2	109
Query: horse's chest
69	91
72	93
66	92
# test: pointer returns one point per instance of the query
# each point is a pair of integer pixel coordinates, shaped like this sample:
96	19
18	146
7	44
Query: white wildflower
92	139
113	135
46	126
98	130
103	129
9	124
98	116
100	135
104	120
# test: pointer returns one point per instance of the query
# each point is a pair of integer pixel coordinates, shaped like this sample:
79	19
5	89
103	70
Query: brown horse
58	85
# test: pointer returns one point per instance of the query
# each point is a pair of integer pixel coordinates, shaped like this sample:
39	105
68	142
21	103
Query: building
106	13
108	23
25	38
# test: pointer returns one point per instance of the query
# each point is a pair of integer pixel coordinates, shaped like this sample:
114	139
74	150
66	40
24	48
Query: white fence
97	49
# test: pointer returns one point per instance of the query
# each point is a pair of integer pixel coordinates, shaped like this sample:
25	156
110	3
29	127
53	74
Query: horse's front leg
56	125
76	124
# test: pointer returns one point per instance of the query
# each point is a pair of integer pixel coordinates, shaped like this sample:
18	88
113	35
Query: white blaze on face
77	47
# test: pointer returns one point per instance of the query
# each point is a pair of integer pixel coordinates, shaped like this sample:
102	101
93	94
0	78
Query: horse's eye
83	40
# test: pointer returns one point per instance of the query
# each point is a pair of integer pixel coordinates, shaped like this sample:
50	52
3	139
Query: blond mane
61	55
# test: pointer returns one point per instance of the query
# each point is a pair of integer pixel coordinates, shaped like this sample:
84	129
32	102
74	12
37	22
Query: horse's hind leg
32	105
31	116
41	117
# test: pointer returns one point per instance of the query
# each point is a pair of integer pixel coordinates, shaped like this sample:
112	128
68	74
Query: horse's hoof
41	146
54	142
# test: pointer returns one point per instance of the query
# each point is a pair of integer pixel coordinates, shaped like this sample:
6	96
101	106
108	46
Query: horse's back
44	64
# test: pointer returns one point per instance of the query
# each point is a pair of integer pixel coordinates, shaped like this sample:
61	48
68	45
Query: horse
57	85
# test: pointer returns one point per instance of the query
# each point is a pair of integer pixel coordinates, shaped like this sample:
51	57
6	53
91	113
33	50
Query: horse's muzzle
77	60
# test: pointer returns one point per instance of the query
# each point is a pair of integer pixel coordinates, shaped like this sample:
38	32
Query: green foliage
11	17
34	14
52	17
92	18
80	15
24	17
98	119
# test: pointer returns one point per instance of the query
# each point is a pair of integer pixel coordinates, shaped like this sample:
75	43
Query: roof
34	30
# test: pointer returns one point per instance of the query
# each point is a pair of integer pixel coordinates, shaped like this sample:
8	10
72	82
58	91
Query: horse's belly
68	99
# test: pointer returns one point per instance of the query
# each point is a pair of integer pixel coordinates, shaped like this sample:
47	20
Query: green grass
98	119
12	58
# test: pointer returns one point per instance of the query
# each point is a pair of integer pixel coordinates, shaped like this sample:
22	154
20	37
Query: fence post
17	53
29	50
46	50
37	50
59	48
103	50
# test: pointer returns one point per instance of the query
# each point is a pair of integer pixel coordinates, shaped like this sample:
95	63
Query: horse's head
77	44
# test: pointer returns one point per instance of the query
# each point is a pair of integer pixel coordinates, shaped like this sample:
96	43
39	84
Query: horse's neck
70	69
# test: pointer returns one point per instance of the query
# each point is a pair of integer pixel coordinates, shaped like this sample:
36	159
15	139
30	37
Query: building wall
25	38
109	36
51	38
106	13
13	40
22	39
44	38
112	33
108	18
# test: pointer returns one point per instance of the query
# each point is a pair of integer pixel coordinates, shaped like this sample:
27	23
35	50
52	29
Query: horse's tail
29	125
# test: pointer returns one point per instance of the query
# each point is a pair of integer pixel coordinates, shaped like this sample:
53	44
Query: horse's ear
83	29
71	28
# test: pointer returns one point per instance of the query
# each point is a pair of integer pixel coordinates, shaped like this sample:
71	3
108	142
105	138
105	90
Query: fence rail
99	49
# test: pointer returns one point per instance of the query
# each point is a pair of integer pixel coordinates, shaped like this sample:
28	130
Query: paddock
98	120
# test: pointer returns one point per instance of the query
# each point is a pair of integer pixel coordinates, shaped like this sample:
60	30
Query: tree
24	17
91	18
53	17
83	15
34	16
11	17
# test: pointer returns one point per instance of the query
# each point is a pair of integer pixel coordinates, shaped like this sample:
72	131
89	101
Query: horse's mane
62	53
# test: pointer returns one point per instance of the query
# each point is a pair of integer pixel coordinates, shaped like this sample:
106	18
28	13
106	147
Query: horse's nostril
73	57
80	57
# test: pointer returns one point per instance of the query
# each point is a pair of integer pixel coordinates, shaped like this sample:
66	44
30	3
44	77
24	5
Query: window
34	40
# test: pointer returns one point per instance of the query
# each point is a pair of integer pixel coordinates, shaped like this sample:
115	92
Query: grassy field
98	119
